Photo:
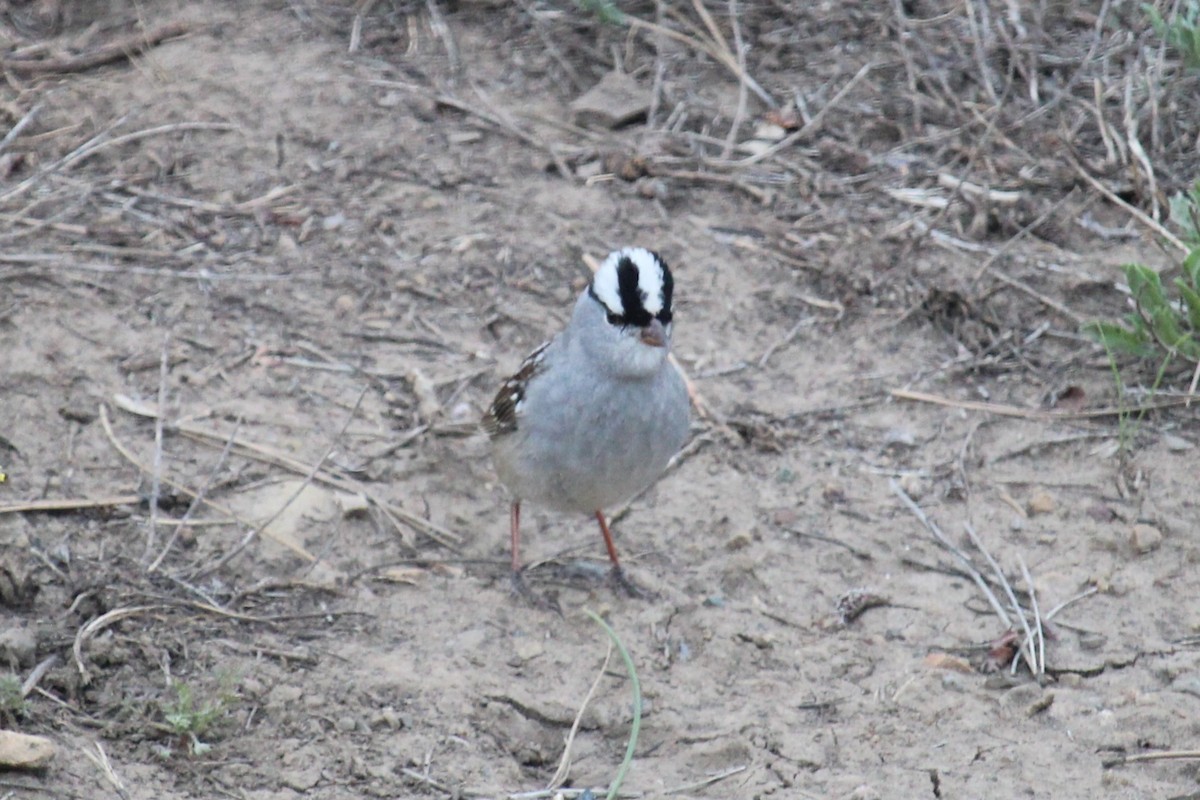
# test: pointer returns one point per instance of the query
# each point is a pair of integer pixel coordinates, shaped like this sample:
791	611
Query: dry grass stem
1141	216
814	124
716	52
253	534
144	469
564	764
199	498
69	504
117	50
1003	410
101	760
706	782
963	558
1024	649
156	462
94	626
399	517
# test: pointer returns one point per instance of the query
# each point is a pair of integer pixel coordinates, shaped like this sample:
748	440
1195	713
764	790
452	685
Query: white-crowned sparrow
593	416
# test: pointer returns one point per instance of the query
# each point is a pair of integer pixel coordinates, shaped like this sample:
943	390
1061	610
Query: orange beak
654	334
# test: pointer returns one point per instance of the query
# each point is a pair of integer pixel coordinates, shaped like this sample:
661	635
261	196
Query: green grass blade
615	787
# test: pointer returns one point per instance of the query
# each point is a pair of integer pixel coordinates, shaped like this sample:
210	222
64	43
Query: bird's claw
546	602
624	583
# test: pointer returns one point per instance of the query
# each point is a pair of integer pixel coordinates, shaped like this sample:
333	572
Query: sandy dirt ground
283	260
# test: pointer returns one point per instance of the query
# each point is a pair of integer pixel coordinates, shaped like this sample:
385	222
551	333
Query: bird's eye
615	319
664	316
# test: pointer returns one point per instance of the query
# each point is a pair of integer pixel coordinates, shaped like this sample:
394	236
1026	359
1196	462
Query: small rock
284	695
286	246
388	718
1039	705
464	137
616	100
914	485
528	649
1176	443
18	647
352	504
589	170
24	751
301	779
652	188
783	517
462	412
899	437
1022	696
739	541
1188	683
1042	502
344	306
347	724
390	100
864	792
1144	538
954	682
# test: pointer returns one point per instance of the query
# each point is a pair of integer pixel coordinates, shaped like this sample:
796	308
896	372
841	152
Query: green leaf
1191	299
1118	338
1191	268
1156	20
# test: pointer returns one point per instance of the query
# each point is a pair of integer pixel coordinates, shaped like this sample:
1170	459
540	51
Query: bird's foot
546	602
622	582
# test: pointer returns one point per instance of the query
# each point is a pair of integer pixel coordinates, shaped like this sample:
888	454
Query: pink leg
514	518
608	540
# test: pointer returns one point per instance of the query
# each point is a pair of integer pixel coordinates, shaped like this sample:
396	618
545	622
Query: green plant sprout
12	702
1182	32
189	719
1185	214
1159	322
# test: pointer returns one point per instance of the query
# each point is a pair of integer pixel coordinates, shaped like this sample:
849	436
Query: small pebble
387	717
1041	502
18	647
1144	538
1176	443
739	541
1188	683
900	437
284	695
954	682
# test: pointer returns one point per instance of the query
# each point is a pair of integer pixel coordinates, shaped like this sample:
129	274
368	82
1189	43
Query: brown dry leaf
1041	502
947	661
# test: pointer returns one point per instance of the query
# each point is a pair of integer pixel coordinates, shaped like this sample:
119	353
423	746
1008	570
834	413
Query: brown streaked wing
501	417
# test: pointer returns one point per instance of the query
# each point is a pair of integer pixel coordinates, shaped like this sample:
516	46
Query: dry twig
123	48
